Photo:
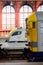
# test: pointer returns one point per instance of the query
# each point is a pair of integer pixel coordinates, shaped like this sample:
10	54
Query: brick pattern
17	4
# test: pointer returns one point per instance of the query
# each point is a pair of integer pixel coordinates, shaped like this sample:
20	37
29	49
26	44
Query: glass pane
21	20
21	9
25	15
12	9
4	9
30	9
12	21
25	8
25	11
4	21
21	15
3	15
12	26
8	8
8	15
24	24
8	20
8	27
13	15
21	23
3	27
40	8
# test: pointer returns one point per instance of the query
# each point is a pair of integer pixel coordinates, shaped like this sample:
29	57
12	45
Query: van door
40	35
15	36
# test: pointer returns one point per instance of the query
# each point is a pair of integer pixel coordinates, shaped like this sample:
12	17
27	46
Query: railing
4	33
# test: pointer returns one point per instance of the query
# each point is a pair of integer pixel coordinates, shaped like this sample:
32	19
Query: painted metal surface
40	30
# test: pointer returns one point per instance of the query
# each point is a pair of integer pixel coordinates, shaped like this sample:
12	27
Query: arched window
8	18
25	11
40	8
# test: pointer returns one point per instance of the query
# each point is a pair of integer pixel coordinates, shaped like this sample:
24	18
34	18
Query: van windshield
16	33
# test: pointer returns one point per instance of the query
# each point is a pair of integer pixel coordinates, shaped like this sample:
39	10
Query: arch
25	11
40	8
8	18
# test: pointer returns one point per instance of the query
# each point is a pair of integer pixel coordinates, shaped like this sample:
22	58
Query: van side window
33	25
16	33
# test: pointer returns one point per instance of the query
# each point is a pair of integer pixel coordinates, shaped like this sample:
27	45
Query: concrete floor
21	63
16	62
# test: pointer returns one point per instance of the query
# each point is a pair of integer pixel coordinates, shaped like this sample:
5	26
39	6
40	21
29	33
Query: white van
17	40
